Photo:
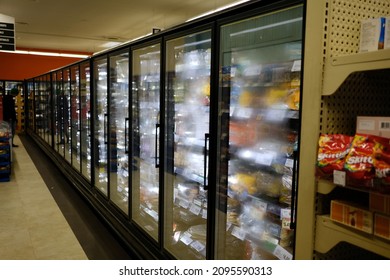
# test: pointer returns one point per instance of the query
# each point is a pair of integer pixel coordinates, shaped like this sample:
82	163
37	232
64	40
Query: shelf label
289	163
282	253
204	214
186	238
197	246
239	233
184	203
296	66
339	178
195	209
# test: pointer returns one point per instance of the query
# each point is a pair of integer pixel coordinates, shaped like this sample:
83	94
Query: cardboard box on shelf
382	226
351	215
377	125
372	34
379	203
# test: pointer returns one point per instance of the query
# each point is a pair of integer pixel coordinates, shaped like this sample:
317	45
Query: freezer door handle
105	129
157	154
126	128
205	169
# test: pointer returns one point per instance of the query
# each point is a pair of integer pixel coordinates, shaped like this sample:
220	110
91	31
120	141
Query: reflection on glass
119	111
85	113
145	135
259	103
187	127
30	104
75	116
67	116
100	125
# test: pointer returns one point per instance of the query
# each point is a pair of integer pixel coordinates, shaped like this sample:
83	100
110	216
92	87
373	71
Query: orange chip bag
332	150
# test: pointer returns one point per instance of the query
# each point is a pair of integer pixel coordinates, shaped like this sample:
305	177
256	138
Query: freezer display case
30	105
187	118
100	148
85	120
259	101
118	134
75	117
57	100
66	119
43	107
145	138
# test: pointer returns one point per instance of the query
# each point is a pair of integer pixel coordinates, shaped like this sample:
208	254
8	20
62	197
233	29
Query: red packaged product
332	150
359	163
381	158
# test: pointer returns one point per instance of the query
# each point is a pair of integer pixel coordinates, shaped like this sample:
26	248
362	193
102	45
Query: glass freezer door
100	125
66	143
75	116
187	118
145	138
259	99
119	123
85	114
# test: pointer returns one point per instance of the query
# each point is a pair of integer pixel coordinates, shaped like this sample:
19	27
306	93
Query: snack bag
332	150
381	160
359	164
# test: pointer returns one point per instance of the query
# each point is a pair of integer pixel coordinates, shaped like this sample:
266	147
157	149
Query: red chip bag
359	163
332	150
381	159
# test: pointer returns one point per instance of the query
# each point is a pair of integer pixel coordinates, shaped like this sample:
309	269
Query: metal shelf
337	69
329	234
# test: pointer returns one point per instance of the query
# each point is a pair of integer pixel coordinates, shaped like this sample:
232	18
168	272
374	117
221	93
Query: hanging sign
7	33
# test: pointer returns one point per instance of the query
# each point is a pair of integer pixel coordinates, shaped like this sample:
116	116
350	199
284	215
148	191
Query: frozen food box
379	203
351	215
372	34
382	226
377	125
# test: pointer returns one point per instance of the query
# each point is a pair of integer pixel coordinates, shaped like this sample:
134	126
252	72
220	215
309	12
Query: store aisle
43	217
31	224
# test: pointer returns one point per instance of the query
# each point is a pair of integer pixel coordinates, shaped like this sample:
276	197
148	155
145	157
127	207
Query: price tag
286	223
195	209
289	163
296	66
239	233
184	203
198	202
204	214
282	254
186	238
265	158
339	178
285	213
197	246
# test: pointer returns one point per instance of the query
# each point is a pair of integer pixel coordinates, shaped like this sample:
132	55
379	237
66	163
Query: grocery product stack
361	162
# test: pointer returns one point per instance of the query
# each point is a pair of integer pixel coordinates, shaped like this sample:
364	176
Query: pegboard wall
342	24
362	93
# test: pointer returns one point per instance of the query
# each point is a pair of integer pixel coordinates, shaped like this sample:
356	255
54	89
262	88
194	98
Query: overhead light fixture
49	54
218	10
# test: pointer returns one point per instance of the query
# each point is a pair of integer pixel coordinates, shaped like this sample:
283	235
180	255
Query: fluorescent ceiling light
48	53
218	10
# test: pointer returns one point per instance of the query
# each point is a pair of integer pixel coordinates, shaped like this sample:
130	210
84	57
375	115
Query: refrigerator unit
259	101
190	140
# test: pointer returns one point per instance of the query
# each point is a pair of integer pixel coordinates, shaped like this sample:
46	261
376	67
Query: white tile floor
32	226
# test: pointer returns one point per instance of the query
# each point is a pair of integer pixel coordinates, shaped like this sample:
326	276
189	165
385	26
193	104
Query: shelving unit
5	154
329	234
353	84
337	69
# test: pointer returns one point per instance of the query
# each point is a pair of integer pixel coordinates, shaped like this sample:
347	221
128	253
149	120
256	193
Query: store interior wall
14	66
